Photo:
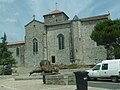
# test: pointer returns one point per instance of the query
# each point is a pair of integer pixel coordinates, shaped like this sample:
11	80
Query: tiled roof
16	43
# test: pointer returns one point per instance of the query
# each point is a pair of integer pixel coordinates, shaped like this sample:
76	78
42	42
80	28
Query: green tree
107	33
6	57
117	52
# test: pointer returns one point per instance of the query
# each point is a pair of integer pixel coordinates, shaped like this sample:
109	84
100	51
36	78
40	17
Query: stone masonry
61	41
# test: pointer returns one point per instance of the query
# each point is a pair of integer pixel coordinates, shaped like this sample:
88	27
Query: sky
15	14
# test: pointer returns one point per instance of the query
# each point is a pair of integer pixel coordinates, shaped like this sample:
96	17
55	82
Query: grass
74	66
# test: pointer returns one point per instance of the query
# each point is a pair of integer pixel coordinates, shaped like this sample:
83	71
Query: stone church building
59	40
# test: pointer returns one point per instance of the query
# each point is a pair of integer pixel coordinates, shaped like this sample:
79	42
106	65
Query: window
35	46
53	59
56	20
96	67
104	66
61	41
17	51
33	25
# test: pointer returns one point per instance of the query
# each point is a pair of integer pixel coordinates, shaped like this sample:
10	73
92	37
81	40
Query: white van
106	69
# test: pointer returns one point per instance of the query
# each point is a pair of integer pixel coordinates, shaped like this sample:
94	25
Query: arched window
35	45
17	51
61	41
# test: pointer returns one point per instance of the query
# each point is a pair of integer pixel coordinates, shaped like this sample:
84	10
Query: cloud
13	32
7	1
16	14
2	6
10	20
101	7
74	6
14	36
39	7
114	11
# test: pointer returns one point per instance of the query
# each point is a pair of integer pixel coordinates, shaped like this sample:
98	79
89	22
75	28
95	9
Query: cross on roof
56	5
33	17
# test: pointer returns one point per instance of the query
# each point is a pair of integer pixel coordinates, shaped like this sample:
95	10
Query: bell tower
55	17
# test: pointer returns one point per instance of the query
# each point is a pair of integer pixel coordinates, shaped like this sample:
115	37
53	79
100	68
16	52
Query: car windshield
97	67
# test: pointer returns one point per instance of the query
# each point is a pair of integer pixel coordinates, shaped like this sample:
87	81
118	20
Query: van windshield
97	67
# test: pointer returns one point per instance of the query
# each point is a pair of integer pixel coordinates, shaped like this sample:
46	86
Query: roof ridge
17	42
95	17
54	12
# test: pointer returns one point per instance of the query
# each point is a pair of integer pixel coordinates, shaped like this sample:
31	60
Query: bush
76	66
73	66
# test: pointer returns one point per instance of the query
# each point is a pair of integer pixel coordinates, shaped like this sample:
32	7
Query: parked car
6	70
106	69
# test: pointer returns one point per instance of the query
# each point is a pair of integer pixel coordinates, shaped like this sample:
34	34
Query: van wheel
114	79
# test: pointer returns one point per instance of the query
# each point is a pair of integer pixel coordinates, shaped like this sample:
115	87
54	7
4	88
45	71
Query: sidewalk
11	84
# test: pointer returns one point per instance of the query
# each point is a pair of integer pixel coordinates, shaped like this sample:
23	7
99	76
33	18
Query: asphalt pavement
36	85
9	83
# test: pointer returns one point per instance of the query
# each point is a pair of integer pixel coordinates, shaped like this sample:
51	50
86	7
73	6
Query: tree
107	33
117	52
6	57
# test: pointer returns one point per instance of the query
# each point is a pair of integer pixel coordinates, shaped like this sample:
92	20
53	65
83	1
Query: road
35	85
11	84
105	84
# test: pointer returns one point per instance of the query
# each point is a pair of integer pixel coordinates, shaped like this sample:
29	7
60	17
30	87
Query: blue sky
15	14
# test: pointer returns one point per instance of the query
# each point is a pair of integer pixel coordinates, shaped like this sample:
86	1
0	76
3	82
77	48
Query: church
59	40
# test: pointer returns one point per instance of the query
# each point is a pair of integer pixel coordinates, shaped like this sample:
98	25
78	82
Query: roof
112	60
15	43
105	16
55	12
76	17
33	21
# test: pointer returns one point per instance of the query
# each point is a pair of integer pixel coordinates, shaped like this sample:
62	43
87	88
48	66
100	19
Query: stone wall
86	50
34	30
61	56
66	79
19	58
54	19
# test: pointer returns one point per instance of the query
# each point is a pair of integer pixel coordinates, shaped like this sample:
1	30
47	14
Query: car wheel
114	79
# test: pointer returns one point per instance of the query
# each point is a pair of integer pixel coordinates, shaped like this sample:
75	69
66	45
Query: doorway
53	59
